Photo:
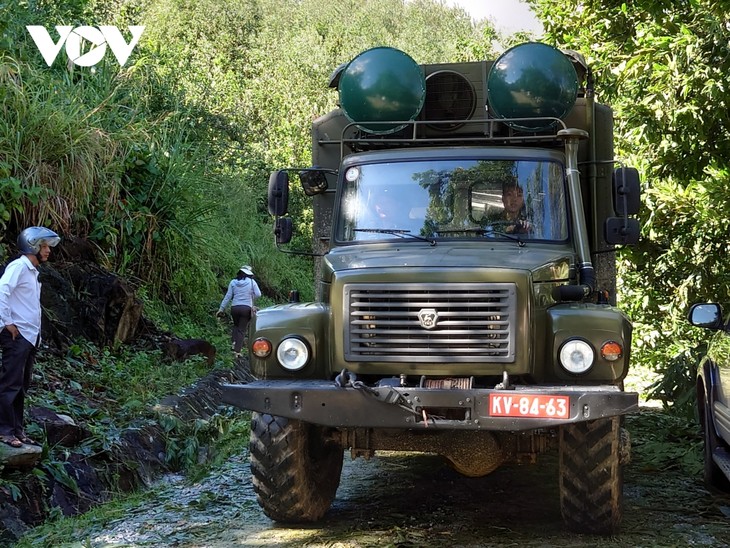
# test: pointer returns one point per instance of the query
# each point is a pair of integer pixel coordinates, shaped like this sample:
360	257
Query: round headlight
292	354
576	356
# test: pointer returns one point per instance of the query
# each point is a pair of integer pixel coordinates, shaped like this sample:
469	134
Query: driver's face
513	199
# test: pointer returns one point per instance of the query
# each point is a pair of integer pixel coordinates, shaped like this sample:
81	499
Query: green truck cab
466	221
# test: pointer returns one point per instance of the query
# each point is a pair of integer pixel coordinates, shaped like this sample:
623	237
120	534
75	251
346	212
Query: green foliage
59	531
185	441
10	488
107	390
662	67
662	441
59	473
164	162
676	387
303	42
230	430
13	195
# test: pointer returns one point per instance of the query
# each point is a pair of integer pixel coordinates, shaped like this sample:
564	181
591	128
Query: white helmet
33	237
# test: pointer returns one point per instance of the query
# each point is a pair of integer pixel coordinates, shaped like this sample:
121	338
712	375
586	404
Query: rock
139	458
22	458
79	489
12	526
74	250
82	300
59	429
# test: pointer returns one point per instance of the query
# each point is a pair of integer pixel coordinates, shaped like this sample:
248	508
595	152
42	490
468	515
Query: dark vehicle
713	394
465	223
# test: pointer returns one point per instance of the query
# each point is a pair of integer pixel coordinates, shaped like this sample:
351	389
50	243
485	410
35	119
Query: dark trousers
241	315
17	369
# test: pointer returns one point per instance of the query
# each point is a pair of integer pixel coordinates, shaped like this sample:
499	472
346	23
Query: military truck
456	322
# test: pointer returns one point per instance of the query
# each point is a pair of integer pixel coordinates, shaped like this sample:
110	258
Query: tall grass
116	156
163	163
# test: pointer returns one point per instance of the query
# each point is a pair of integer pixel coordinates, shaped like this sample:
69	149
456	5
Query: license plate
529	405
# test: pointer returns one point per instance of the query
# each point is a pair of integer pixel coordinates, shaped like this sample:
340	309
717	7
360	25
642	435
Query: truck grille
438	322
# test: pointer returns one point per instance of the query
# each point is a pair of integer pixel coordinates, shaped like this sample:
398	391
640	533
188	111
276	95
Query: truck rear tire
295	468
591	477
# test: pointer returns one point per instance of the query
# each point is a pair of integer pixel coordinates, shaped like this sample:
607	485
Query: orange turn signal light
261	347
611	351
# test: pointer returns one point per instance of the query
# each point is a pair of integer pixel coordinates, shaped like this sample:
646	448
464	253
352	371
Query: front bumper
324	403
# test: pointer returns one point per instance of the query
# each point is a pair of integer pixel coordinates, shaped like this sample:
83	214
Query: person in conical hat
242	294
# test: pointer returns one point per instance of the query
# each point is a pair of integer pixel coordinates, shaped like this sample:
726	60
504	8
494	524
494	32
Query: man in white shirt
20	328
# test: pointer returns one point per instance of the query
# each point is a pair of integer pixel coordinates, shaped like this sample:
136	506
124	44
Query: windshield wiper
489	231
474	230
396	232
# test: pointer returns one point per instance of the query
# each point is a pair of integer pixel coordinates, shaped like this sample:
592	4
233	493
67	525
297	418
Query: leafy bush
676	387
662	441
662	67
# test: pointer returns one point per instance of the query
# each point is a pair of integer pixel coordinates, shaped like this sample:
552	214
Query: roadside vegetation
662	67
163	165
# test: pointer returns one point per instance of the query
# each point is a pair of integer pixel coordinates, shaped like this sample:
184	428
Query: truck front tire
295	468
591	477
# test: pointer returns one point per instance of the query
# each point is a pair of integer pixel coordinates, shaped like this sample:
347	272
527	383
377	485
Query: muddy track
412	500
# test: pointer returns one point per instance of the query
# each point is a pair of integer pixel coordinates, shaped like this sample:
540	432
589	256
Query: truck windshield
454	199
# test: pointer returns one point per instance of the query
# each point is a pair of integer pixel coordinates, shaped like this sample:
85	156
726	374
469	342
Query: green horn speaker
382	85
529	81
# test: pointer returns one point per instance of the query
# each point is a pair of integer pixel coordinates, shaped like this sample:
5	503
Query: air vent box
455	94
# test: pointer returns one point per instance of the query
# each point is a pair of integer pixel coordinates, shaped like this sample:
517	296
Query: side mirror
283	230
313	182
707	315
621	230
626	191
278	193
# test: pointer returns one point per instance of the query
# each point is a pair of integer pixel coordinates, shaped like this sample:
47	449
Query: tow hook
504	385
345	379
385	394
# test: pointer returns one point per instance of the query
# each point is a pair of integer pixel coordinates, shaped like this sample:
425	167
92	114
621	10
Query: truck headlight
576	356
292	353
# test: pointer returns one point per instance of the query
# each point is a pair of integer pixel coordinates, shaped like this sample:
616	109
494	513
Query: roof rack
408	134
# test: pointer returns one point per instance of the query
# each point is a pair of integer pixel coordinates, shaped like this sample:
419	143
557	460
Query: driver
514	214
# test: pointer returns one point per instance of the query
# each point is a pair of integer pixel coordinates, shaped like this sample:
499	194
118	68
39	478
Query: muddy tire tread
591	476
295	474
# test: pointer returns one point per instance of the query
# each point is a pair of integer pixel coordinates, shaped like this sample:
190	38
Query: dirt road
410	500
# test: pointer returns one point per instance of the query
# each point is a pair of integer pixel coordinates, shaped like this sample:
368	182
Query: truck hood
545	262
